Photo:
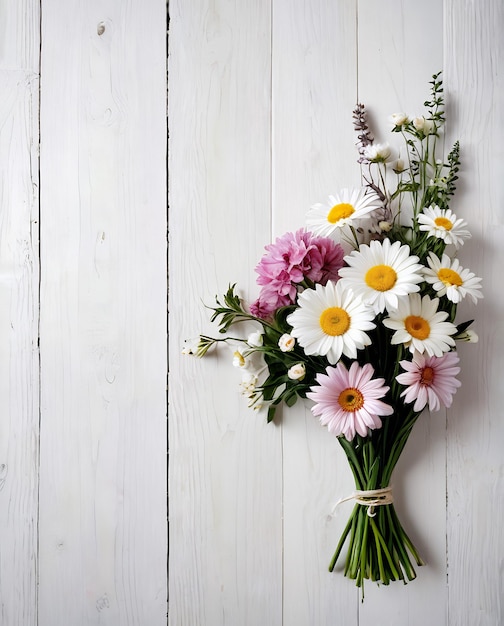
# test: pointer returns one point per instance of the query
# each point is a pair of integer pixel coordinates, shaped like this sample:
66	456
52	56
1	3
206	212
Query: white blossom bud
399	119
378	152
423	125
398	166
239	360
297	372
255	339
286	343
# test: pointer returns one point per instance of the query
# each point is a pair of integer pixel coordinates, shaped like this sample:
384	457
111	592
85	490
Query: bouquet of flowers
357	313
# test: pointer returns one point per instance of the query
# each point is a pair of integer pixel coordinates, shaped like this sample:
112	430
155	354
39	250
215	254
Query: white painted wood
313	94
103	310
474	53
225	482
19	275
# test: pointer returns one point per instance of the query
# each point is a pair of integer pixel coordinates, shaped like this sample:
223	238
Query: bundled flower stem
378	546
357	314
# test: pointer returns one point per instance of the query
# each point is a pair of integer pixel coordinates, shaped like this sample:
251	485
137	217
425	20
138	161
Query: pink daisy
430	379
348	401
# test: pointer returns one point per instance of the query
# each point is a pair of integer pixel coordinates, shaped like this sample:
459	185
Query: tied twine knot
371	499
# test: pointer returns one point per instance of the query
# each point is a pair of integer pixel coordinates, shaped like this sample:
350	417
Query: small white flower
286	342
423	125
248	384
385	226
378	152
297	372
249	379
399	119
255	339
239	359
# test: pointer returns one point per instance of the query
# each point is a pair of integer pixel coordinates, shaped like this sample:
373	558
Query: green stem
385	550
343	537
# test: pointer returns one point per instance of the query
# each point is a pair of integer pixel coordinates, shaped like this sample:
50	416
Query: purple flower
293	258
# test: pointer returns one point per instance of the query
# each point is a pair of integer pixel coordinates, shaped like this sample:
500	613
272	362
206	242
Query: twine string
371	498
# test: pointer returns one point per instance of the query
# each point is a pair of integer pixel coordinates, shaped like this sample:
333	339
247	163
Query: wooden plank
103	314
19	276
474	52
395	66
225	482
20	35
314	93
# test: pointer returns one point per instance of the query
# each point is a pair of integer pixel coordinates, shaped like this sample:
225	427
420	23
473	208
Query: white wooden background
260	102
83	528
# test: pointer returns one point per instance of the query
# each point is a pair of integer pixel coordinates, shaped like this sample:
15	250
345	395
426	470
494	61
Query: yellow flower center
381	277
351	399
443	222
334	321
449	277
339	212
417	326
427	377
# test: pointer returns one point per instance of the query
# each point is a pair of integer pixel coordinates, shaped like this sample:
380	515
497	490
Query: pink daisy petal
430	380
349	401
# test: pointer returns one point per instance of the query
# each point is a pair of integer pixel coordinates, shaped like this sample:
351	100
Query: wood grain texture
20	36
313	95
225	482
103	309
19	276
474	53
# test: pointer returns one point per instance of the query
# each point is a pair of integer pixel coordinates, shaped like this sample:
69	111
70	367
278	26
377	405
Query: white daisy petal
342	209
443	224
327	324
420	326
449	279
382	272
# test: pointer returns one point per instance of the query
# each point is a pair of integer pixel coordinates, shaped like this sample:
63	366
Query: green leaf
271	413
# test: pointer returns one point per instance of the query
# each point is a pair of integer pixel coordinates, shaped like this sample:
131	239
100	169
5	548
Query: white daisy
330	321
443	224
343	209
448	278
381	273
420	326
